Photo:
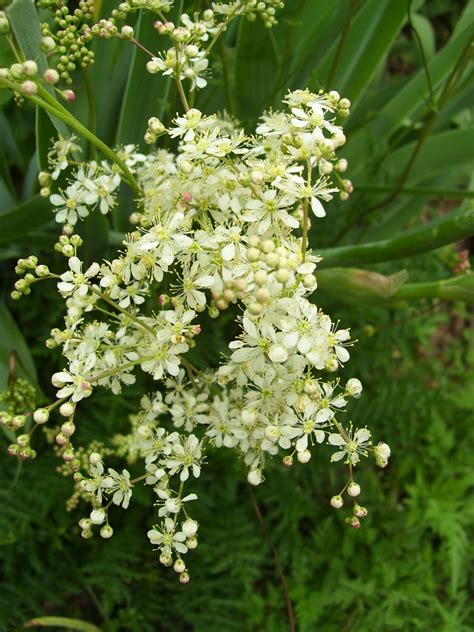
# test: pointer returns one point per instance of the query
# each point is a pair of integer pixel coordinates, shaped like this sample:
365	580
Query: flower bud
179	566
97	516
29	88
360	512
354	387
48	44
268	246
191	50
51	76
30	68
16	71
254	477
127	32
184	578
353	521
309	281
331	364
253	254
336	501
4	25
262	295
69	95
23	440
149	138
272	259
95	458
283	275
287	460
106	531
166	560
67	409
382	451
68	428
256	177
85	523
18	421
192	542
353	489
341	165
304	456
189	527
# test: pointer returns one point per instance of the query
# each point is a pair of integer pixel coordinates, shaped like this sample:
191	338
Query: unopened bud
304	456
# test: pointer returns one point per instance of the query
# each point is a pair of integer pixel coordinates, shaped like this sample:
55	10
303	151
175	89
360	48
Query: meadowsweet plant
221	223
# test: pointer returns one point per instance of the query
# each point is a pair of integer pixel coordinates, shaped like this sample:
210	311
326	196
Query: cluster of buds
69	42
155	128
340	104
232	291
353	491
22	286
265	9
22	449
68	245
4	23
27	76
19	395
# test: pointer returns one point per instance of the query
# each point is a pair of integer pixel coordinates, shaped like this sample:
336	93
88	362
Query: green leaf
426	33
12	340
95	232
370	37
407	103
256	70
62	622
451	149
24	219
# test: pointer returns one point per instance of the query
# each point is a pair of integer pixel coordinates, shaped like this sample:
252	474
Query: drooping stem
281	574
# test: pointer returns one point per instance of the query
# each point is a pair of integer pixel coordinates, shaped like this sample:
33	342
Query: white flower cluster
223	224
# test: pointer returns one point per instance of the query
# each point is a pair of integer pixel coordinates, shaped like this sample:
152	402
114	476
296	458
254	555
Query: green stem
446	93
459	288
121	309
65	116
456	227
179	84
118	369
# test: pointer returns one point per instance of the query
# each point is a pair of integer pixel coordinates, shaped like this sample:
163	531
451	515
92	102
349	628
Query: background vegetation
406	68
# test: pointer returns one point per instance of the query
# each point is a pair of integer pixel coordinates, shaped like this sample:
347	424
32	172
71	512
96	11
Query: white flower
119	486
75	281
167	538
70	205
352	447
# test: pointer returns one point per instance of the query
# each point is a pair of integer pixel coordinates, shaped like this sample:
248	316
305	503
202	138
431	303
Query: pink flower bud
69	95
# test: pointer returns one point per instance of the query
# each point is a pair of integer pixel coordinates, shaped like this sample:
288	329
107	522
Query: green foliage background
410	567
